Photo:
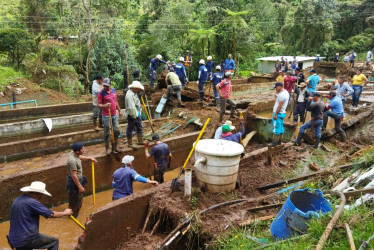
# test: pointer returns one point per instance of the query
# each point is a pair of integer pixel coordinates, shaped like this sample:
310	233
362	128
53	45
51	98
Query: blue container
300	206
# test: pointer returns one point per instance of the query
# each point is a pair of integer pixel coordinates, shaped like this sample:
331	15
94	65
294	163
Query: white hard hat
202	61
209	58
218	67
181	59
127	159
318	55
159	57
337	54
136	85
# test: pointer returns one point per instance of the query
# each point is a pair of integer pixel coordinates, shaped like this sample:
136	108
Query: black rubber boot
275	141
115	148
298	139
201	96
280	139
343	136
316	144
140	139
107	149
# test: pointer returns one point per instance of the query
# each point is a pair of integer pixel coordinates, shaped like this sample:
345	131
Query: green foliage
8	75
16	44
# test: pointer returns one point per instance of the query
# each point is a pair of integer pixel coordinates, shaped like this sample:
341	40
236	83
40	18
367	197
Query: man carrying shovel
107	100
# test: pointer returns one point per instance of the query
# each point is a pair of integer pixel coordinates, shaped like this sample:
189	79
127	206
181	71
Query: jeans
336	118
201	87
153	79
278	127
133	124
106	123
161	172
216	95
299	111
75	197
223	106
177	90
183	80
357	89
317	127
41	241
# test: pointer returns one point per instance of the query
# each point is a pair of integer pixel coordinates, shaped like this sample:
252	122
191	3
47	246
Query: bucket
217	164
300	206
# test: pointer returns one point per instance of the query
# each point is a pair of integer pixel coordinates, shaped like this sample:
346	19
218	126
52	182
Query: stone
2	94
283	163
313	166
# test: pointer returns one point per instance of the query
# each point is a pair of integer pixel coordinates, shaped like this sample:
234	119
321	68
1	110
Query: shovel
175	182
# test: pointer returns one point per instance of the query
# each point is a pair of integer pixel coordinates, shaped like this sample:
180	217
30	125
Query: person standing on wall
280	78
180	70
188	62
75	179
318	59
229	64
289	82
124	177
162	155
316	109
202	78
153	65
216	79
369	57
302	96
352	58
107	100
134	119
96	88
336	58
343	90
224	90
358	83
279	113
24	219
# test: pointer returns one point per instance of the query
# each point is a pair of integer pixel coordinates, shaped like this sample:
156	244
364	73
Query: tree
16	44
203	37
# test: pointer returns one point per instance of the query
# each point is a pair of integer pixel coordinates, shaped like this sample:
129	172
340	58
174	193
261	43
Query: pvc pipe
187	182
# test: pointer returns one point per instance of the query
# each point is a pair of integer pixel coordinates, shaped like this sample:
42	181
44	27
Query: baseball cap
106	82
278	84
316	94
225	128
312	70
155	137
297	68
77	146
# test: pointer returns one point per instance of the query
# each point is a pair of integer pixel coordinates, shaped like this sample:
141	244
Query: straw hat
37	187
136	85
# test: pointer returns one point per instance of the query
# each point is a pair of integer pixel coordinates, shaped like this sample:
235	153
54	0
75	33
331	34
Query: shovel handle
194	146
111	124
146	111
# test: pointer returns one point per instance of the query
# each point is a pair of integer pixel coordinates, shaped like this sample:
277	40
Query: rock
8	87
313	166
283	163
2	94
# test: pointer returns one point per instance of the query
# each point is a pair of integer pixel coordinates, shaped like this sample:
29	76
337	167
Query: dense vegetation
72	41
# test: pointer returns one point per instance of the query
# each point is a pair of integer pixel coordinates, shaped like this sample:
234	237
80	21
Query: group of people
284	65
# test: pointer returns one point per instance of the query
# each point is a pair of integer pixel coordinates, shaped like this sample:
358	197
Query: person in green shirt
176	85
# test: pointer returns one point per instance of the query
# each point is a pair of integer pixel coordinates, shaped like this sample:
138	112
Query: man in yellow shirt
280	78
358	82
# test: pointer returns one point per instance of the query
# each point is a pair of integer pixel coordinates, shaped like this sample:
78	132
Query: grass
8	75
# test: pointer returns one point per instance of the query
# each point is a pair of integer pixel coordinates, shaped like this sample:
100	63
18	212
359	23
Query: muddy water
64	228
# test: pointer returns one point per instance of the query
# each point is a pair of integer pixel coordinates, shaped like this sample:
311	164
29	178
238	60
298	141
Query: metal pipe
187	182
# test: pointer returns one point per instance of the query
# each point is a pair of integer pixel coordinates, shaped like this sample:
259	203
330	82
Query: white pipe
187	182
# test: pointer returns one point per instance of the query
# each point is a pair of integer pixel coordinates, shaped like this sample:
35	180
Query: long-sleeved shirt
180	70
302	96
216	78
316	109
234	137
300	78
154	64
203	74
122	181
336	106
343	88
132	103
229	64
369	56
209	66
95	91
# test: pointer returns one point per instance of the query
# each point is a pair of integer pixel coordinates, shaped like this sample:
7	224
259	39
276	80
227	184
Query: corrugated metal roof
289	58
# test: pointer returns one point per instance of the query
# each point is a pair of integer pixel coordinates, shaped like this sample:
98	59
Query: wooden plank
250	221
358	193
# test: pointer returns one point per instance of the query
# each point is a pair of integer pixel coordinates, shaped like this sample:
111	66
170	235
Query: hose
333	220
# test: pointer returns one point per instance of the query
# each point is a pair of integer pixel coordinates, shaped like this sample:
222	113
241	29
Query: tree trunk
89	48
234	47
202	46
208	47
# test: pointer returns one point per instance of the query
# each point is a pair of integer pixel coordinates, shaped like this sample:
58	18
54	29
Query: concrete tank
217	164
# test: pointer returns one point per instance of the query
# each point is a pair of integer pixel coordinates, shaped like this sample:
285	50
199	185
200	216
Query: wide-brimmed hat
228	122
37	187
127	159
136	85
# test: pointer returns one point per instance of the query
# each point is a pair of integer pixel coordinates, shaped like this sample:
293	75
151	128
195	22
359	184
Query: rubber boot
115	148
275	139
325	121
140	139
316	144
217	102
298	139
96	128
201	96
129	142
343	136
107	149
280	139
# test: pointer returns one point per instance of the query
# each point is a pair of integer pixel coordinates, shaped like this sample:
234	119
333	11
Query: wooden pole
111	124
127	67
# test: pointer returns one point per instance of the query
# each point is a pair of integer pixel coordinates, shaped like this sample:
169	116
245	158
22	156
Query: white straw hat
127	159
37	187
136	85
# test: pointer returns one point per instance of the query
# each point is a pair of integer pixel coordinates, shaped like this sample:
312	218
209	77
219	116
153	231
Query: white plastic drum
217	164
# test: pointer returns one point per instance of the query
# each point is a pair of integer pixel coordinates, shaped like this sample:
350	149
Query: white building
267	64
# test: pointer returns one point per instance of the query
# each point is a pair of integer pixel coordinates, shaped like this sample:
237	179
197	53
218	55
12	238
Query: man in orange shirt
188	62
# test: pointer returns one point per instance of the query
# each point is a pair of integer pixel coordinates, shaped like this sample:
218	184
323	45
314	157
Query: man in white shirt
279	113
369	56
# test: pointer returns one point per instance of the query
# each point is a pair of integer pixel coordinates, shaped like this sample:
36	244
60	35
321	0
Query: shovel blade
175	185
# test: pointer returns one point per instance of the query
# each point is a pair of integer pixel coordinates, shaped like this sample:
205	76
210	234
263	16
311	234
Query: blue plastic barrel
300	206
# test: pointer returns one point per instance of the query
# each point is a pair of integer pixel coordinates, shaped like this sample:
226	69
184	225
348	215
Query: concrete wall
61	109
55	176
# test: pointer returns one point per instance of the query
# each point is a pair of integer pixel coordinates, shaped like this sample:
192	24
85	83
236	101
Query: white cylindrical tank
217	164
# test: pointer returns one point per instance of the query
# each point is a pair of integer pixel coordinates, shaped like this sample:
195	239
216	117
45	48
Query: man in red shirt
224	90
289	82
107	100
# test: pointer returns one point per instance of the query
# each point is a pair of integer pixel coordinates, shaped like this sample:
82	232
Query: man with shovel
161	152
107	101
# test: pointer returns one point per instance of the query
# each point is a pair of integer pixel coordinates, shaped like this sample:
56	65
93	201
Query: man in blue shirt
216	78
336	111
209	66
229	64
162	155
24	219
180	70
227	135
312	81
343	90
153	68
124	177
202	78
317	58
